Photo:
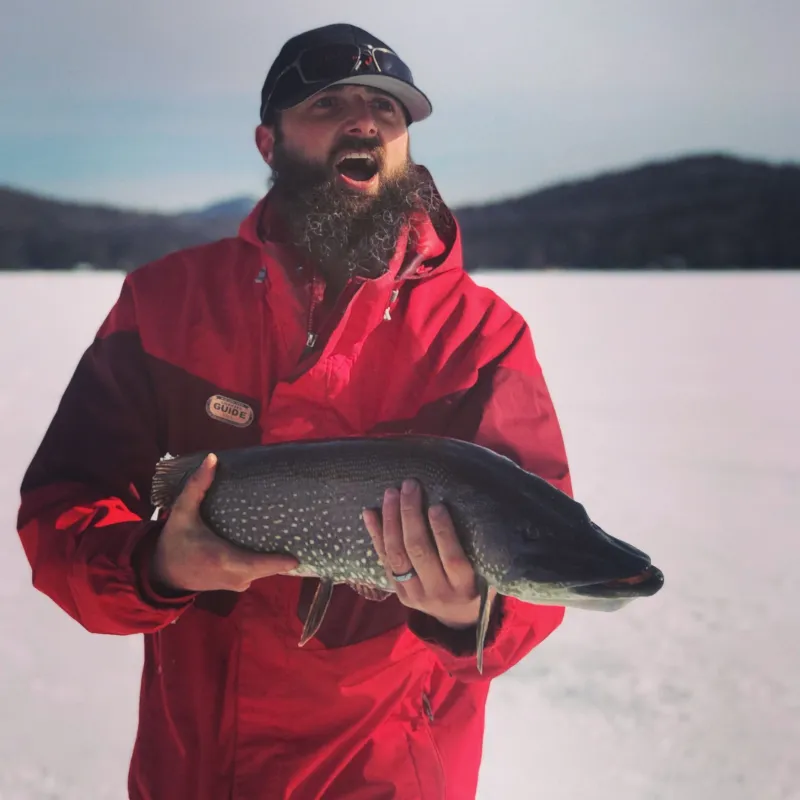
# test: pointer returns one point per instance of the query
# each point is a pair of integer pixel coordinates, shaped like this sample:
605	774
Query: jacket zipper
314	326
426	704
317	295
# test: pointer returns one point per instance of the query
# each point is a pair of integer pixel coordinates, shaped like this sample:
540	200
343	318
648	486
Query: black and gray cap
338	54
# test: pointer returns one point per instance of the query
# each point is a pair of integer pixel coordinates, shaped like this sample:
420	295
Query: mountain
706	211
234	209
703	211
43	233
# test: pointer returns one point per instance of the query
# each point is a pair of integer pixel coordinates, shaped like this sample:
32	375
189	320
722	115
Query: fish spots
321	529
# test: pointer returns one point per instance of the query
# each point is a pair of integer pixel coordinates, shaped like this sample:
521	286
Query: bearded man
341	308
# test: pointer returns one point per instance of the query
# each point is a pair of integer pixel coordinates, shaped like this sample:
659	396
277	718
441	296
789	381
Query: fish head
570	560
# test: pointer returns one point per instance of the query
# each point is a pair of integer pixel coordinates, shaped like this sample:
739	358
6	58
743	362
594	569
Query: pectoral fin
483	620
316	613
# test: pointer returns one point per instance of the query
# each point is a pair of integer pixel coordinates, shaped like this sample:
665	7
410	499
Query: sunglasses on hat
335	62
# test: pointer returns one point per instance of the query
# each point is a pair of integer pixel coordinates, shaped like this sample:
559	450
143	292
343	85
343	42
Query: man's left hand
443	583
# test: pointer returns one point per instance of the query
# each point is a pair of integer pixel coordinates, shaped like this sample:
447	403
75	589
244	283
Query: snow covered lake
679	396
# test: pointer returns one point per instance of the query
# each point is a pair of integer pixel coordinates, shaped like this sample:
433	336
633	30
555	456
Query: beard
347	233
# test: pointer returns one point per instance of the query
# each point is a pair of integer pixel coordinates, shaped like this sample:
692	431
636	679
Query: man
341	308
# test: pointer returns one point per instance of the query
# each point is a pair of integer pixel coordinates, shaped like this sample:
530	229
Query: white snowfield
679	396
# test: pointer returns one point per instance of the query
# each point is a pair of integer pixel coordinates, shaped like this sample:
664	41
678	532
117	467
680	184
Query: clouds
556	87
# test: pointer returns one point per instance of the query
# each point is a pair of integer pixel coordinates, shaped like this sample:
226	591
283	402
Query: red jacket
382	704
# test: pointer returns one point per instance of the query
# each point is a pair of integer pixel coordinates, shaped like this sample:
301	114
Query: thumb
265	564
198	484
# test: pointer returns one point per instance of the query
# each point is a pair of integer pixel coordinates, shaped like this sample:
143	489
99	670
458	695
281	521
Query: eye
384	105
325	102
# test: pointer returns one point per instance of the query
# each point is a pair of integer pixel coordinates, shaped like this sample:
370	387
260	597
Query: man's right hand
191	558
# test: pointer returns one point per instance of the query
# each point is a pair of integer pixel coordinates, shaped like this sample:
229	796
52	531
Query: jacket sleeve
509	410
84	517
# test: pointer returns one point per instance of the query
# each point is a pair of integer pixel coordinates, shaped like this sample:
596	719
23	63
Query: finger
460	572
372	523
397	560
198	484
419	545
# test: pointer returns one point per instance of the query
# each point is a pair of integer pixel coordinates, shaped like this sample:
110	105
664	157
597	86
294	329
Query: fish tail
170	477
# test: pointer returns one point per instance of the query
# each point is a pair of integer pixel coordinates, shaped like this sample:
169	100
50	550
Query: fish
524	537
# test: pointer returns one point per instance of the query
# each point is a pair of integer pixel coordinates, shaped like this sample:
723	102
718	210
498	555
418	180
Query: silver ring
406	576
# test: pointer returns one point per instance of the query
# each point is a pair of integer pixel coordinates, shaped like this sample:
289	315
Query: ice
678	395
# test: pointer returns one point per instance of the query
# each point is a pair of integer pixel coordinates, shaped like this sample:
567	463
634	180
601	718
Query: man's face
343	178
357	136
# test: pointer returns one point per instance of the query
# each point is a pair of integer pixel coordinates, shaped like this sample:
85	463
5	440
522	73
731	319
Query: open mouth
357	169
645	584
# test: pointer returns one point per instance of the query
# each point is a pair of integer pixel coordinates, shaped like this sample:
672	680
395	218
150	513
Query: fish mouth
643	584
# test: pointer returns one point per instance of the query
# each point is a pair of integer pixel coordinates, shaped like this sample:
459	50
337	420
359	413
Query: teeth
363	156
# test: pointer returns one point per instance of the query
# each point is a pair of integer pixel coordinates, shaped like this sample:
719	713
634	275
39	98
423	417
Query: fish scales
310	507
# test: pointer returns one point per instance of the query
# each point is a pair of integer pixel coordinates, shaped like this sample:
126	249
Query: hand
190	557
445	585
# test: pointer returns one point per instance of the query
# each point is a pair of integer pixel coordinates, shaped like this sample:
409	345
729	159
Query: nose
360	119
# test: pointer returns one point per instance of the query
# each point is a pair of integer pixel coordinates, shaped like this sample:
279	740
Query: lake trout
523	536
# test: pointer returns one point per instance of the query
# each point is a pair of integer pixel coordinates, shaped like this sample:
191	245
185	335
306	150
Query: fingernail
391	494
409	486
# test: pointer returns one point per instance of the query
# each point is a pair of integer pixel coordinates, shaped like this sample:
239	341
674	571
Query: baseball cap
338	54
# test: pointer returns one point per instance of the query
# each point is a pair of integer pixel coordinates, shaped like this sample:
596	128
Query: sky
153	105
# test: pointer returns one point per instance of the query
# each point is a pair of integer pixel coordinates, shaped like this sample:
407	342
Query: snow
678	395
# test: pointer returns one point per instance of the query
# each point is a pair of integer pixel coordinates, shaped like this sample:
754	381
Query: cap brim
417	103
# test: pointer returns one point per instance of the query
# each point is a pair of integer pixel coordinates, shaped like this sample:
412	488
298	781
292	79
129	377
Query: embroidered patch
231	411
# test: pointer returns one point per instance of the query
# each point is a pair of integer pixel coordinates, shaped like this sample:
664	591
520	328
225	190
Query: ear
265	142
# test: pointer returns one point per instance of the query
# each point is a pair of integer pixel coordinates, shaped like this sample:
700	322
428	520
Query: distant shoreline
704	212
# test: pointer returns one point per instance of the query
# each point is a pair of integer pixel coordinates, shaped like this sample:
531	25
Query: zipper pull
387	315
311	340
427	705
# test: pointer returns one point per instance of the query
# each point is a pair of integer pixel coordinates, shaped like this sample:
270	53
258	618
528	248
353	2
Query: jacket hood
430	242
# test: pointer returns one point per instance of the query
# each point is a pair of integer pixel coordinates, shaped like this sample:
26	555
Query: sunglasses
337	61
